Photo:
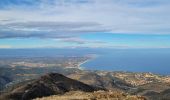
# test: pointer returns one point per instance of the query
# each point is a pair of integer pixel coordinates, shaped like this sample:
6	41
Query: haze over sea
134	60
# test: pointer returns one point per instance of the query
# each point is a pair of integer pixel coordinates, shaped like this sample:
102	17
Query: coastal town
66	62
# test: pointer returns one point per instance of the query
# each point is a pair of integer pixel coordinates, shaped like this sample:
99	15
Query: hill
49	84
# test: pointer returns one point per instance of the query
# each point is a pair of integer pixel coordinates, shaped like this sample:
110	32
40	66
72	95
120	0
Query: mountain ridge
49	84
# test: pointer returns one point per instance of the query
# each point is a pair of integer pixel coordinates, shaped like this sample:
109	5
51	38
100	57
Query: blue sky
84	23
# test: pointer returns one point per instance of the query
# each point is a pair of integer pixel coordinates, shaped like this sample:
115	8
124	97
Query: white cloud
81	41
121	16
5	46
48	29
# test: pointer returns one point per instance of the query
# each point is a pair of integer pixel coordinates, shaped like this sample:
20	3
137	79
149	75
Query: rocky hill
151	86
49	84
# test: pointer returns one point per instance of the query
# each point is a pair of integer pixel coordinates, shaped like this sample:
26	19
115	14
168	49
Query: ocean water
45	52
134	60
151	60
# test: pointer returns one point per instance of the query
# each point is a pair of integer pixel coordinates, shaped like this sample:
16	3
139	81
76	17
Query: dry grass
98	95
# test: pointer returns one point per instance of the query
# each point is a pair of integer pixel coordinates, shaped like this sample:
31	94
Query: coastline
92	57
80	64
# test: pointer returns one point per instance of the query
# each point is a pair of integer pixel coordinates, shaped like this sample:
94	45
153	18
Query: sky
84	23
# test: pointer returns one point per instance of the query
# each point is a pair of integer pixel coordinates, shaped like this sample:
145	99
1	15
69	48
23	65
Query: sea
132	60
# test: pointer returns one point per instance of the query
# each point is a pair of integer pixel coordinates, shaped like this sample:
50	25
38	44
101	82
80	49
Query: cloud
82	41
48	29
80	16
5	46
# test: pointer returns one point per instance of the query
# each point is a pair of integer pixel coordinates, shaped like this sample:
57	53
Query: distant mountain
49	84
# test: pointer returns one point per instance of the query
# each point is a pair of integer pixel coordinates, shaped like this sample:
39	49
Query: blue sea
133	60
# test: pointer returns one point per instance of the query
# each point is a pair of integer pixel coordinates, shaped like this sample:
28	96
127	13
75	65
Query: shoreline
80	64
89	59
